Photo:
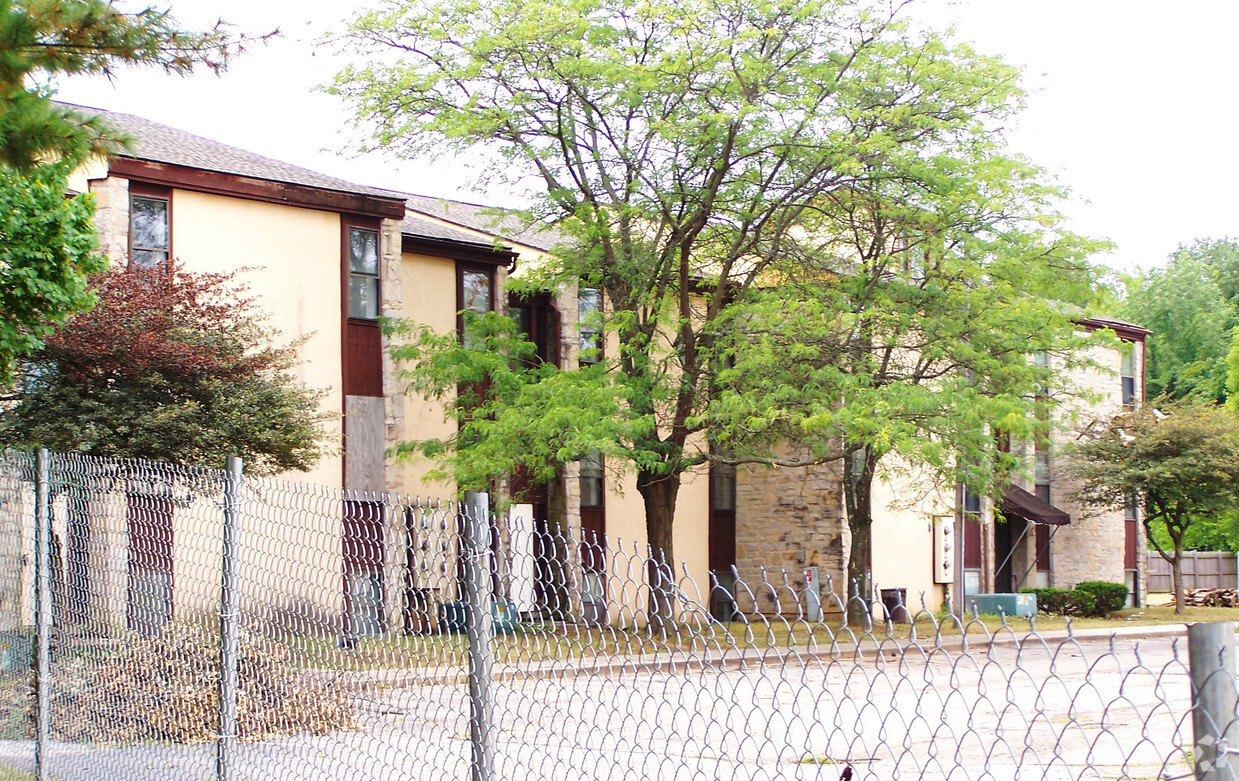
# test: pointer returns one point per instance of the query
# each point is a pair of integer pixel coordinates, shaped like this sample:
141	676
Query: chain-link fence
160	622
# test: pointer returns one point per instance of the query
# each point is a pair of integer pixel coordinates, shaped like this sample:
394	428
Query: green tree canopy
1180	462
716	162
46	241
47	249
40	39
1192	308
170	365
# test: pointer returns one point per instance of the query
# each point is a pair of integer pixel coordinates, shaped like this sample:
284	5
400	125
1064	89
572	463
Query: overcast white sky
1132	106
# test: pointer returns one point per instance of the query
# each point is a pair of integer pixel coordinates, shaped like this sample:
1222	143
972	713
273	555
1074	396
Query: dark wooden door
150	574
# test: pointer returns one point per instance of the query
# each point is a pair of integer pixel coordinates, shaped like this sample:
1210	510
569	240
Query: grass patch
534	643
9	774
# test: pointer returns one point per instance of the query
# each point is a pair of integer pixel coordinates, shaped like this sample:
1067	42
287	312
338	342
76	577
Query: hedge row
1092	598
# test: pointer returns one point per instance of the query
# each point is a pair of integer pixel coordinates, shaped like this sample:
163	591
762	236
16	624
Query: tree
1192	308
170	365
688	148
47	249
1181	462
46	241
40	39
909	342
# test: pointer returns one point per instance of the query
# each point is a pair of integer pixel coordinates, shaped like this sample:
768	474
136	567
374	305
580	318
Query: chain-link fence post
1211	660
42	607
480	631
228	618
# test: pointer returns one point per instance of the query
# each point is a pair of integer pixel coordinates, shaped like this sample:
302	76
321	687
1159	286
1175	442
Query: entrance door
723	541
363	569
593	539
149	603
1006	533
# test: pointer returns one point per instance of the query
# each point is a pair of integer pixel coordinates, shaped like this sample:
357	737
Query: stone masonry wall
787	520
112	216
1091	547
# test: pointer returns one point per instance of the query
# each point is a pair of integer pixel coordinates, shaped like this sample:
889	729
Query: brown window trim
151	192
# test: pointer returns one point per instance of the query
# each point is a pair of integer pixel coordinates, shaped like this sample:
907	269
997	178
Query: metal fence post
228	618
480	631
43	607
1211	661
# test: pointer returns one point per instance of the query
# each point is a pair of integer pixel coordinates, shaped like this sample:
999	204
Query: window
1131	535
363	273
723	486
593	530
1042	360
1041	472
149	233
475	293
591	480
589	322
1127	370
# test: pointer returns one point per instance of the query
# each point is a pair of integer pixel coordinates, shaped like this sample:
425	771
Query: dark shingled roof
1114	322
162	144
415	225
487	219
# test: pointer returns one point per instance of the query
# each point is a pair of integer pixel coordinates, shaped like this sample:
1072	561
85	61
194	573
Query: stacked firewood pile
1212	597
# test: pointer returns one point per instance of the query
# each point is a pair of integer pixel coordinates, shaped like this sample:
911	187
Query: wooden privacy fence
1201	569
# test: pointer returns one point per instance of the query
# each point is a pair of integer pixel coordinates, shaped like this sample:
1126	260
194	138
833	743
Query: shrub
1111	597
1061	602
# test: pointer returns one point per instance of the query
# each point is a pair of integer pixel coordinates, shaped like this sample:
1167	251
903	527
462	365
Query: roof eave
252	188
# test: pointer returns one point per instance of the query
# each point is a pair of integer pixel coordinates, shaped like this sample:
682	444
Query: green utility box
1022	605
454	616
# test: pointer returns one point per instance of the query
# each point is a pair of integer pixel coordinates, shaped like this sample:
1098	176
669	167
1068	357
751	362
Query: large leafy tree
1180	461
906	338
170	365
690	150
1192	308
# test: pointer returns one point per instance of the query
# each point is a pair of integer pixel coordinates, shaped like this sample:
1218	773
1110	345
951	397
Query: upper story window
592	480
972	505
589	323
475	292
723	487
363	273
149	231
1042	360
1041	472
1127	371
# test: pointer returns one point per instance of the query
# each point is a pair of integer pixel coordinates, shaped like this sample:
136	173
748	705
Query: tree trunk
858	496
659	494
1176	578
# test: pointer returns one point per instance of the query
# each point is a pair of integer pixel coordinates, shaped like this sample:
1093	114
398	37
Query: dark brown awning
1018	502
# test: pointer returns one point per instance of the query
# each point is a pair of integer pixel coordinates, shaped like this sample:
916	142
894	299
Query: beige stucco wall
904	507
293	261
429	286
284	255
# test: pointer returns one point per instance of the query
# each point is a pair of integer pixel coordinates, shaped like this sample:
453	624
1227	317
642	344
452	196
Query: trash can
894	602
